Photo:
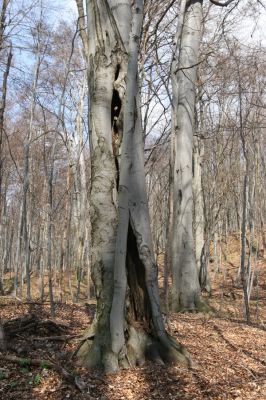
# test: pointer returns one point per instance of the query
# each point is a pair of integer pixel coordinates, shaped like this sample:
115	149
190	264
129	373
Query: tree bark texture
201	242
186	288
4	87
128	324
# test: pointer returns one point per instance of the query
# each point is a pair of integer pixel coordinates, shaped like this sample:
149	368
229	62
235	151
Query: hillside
229	357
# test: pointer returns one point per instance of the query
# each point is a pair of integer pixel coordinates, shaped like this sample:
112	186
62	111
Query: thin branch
60	338
12	157
217	3
194	65
263	5
74	380
82	27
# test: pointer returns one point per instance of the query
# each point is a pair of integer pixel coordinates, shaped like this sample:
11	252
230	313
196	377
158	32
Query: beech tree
45	168
186	288
7	58
128	324
187	251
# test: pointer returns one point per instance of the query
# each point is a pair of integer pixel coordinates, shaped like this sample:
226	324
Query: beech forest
132	199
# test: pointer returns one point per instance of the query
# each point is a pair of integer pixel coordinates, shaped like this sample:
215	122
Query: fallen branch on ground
74	380
62	338
32	322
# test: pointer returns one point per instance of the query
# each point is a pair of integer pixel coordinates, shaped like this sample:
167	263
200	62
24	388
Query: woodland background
44	199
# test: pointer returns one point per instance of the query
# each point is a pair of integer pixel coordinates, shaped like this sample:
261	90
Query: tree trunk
186	288
128	324
3	226
243	272
201	244
50	179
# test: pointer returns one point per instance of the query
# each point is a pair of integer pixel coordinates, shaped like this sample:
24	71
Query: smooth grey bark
186	288
50	179
3	225
4	246
2	112
83	226
25	228
201	229
74	198
129	125
198	220
25	225
175	88
43	235
18	251
78	198
107	62
243	272
128	322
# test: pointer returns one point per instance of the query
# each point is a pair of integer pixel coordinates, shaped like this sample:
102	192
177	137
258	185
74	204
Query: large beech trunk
186	288
128	324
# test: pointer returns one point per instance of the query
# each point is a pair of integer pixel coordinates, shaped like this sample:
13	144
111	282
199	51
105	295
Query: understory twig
74	380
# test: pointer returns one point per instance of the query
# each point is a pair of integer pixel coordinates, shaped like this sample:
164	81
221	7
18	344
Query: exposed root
199	305
140	347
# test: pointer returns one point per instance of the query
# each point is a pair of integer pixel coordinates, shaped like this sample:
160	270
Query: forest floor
229	356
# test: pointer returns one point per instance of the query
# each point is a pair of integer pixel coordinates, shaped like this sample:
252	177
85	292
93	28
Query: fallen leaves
229	360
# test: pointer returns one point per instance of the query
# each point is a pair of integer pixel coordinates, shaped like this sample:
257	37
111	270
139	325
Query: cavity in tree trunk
186	288
128	323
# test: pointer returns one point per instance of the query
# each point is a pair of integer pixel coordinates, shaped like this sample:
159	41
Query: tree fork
128	326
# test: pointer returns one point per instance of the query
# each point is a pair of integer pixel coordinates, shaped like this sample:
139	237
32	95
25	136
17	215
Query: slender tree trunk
25	227
2	113
201	243
43	235
49	228
243	272
18	252
186	288
198	204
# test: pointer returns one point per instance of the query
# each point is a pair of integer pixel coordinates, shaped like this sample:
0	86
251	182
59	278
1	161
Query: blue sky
249	30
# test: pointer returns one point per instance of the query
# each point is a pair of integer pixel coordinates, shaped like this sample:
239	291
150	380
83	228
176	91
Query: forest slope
229	357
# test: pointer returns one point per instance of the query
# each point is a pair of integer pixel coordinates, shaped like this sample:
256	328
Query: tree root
139	348
200	305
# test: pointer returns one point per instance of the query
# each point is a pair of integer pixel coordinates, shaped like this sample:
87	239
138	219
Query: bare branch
263	5
217	3
82	27
74	380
